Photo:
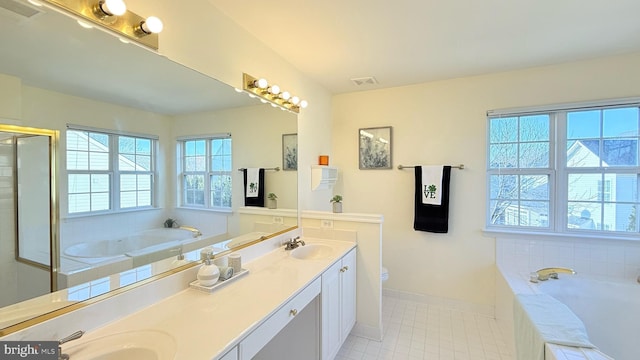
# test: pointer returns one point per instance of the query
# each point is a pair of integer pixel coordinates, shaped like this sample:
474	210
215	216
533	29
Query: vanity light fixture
105	8
114	16
272	94
152	25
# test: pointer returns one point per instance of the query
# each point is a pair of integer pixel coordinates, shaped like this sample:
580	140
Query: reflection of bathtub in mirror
88	260
164	238
141	243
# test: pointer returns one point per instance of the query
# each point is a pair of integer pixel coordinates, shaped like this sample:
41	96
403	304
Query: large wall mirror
171	191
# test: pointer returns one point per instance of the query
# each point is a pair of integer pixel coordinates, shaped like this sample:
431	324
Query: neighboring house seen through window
566	170
109	172
206	172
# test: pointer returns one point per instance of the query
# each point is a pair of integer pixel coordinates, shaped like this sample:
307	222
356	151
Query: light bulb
261	83
274	89
263	101
113	7
285	95
304	104
295	100
152	25
237	90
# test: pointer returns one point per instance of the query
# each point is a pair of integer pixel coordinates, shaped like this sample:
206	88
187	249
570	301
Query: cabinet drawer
270	328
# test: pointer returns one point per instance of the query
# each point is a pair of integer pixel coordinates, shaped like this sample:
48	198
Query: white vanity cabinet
258	338
338	304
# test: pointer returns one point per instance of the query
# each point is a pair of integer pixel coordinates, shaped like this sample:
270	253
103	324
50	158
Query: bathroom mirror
57	75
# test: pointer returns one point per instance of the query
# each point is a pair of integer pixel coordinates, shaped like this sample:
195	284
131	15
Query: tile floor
416	330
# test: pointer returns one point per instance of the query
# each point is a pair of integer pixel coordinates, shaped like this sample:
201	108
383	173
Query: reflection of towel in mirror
253	180
253	187
427	217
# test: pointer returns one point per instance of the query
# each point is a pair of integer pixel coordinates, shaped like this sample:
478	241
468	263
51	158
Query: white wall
201	37
445	123
256	133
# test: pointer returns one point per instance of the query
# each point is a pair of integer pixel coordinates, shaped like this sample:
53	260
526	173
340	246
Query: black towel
254	201
432	218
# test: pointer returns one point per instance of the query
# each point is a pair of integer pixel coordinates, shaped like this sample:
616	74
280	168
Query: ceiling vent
18	8
365	81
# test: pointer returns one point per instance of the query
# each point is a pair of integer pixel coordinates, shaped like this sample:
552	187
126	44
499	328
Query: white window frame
559	172
114	172
208	173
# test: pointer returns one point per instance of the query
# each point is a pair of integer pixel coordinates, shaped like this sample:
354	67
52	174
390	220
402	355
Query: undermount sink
312	252
134	345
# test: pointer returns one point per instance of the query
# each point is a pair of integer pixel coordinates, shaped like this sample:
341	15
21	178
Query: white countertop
206	326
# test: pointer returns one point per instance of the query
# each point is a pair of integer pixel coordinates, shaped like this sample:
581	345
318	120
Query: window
109	172
565	170
206	172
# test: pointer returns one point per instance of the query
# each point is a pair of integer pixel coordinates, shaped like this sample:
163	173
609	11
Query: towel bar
400	167
277	168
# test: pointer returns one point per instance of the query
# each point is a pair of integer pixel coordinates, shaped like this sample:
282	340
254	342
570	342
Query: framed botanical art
290	151
375	148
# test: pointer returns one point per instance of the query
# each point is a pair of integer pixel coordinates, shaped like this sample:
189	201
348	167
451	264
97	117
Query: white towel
432	185
540	319
253	182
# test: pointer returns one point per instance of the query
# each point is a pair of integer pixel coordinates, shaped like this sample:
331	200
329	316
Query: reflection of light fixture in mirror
272	94
113	16
85	24
106	8
152	25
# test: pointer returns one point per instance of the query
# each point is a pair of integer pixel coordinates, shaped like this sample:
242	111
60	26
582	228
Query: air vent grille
365	81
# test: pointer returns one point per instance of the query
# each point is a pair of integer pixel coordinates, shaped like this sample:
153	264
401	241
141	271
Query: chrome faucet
549	273
293	243
193	230
74	336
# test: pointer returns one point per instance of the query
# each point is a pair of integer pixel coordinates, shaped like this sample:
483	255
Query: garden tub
609	309
136	244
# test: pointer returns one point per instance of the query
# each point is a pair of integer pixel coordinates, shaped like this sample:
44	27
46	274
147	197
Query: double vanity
296	303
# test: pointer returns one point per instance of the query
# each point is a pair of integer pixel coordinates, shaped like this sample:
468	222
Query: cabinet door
331	303
348	295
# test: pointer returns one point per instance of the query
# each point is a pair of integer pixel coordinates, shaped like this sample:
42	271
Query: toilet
384	274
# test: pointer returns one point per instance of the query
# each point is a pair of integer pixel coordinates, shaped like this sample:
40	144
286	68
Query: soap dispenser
208	273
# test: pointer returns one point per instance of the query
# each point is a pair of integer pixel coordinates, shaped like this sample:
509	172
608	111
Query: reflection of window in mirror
205	172
108	172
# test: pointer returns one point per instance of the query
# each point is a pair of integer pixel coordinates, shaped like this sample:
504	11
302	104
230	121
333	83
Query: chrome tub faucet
293	243
549	273
74	336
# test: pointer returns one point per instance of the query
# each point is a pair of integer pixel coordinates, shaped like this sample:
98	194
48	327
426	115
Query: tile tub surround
188	314
587	256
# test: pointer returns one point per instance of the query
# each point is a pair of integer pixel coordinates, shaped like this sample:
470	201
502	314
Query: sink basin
134	345
312	252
